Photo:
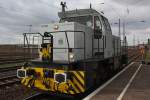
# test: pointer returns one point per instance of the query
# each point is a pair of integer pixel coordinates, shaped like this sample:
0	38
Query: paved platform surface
131	84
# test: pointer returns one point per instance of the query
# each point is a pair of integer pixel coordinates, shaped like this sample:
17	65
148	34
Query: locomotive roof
77	12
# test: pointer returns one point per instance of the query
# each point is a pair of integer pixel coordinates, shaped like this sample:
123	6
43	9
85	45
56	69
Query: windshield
85	20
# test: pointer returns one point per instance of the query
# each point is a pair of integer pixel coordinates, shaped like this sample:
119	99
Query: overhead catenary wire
114	9
138	2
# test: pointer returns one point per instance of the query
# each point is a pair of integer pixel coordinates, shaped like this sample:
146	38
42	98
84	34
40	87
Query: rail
32	97
9	80
15	60
10	68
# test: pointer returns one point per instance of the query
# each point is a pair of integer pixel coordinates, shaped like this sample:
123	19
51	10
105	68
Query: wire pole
119	29
123	30
134	40
124	33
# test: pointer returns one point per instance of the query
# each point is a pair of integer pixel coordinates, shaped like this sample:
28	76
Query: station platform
132	83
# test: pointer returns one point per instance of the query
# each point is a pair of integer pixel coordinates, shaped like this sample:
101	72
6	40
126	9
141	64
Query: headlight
71	55
60	77
56	27
21	73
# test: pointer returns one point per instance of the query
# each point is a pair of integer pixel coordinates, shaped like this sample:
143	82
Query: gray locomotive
76	53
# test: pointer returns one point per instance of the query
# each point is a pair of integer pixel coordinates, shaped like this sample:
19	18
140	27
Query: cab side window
97	27
106	24
97	23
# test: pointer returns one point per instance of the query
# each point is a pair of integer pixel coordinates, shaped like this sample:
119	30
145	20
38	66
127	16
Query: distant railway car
76	53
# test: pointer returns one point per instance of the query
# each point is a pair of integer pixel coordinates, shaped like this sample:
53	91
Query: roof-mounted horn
63	4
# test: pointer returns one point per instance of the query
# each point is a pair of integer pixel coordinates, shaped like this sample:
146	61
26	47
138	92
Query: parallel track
8	76
14	60
44	96
32	97
9	80
9	68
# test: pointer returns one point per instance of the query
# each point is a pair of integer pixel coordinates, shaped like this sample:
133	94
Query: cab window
97	23
106	24
97	27
85	20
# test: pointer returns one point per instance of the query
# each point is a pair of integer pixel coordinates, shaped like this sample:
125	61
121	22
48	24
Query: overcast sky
16	15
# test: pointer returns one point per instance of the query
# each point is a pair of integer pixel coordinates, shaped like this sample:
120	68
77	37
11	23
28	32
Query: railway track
135	57
14	60
46	96
34	96
2	70
11	57
8	71
9	80
8	76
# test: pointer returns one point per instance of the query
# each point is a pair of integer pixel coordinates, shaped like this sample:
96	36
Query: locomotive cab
92	19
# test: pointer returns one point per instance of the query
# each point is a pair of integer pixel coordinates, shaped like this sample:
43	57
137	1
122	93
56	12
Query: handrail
33	33
46	34
26	40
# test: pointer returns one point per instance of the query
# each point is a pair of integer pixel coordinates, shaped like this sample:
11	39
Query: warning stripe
79	79
79	84
23	81
82	74
65	91
27	82
74	91
71	92
75	88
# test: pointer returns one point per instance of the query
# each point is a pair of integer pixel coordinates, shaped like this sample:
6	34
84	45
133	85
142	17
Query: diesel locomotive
75	54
